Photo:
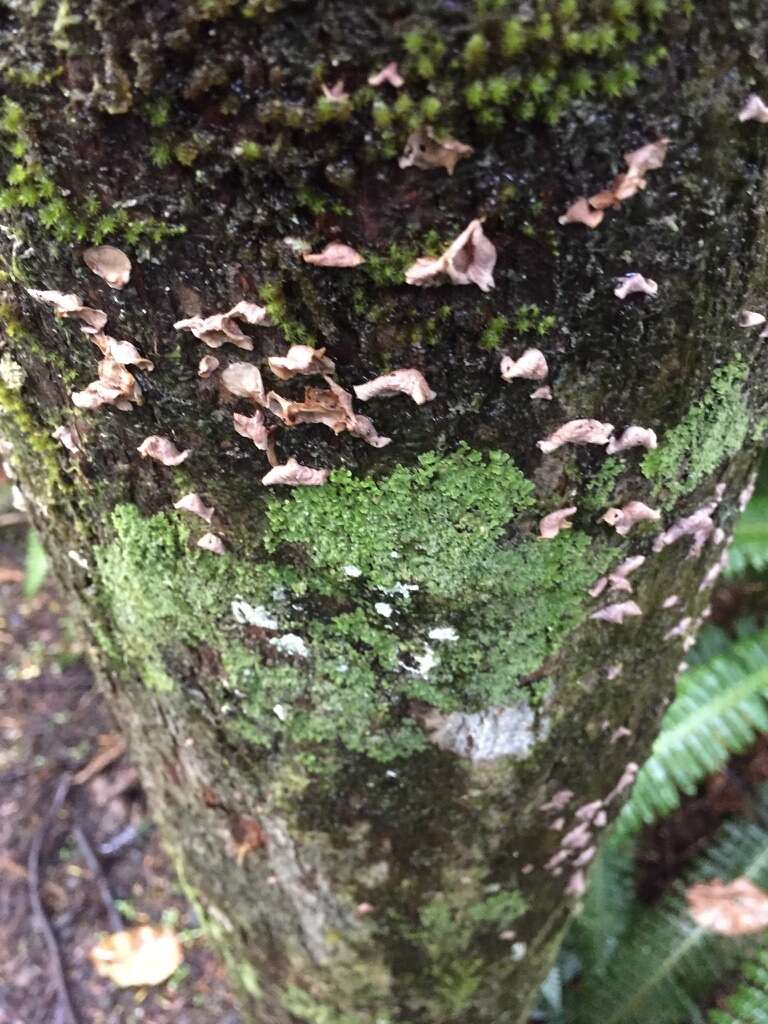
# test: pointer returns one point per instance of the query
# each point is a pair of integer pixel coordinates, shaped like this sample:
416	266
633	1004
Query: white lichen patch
253	615
383	609
443	633
489	734
291	644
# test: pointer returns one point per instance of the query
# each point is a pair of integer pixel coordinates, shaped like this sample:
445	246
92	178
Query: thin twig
38	910
94	866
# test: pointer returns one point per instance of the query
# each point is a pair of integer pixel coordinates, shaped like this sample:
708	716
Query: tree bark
357	726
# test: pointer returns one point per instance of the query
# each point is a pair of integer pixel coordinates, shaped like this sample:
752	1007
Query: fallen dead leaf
146	955
112	748
728	908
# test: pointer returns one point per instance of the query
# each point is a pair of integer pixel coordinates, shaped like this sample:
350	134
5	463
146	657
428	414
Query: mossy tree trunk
352	724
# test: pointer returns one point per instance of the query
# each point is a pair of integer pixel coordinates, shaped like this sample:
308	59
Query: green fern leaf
748	1004
750	540
666	965
720	707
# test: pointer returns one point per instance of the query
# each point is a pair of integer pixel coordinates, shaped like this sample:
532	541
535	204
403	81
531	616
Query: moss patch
713	428
373	594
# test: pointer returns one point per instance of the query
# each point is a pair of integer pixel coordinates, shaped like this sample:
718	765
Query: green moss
295	332
493	335
597	494
352	580
713	428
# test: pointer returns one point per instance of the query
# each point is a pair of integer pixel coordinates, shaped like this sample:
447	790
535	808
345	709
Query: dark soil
53	721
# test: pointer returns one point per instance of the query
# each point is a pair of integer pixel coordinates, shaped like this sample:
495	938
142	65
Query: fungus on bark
243	380
92	320
577	432
335	254
469	259
124	352
542	394
532	365
110	264
335	93
194	503
220	328
633	437
624	518
162	450
617	612
389	75
423	149
409	382
115	386
580	212
553	523
754	110
253	428
293	474
207	366
618	579
213	543
631	283
301	359
66	437
748	318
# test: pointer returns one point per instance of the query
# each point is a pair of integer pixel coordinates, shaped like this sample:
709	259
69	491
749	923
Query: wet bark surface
410	869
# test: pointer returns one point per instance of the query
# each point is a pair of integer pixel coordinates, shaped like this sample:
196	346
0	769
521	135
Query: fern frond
720	707
747	1004
750	540
665	964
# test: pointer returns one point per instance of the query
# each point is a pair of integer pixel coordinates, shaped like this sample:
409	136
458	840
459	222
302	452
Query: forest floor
52	722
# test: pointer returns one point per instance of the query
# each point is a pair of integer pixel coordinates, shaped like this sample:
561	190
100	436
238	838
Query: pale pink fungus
626	780
620	733
681	629
92	320
293	474
698	525
357	424
243	380
649	157
630	283
115	386
336	93
469	259
748	318
580	212
542	394
220	328
558	825
553	523
556	860
623	519
423	149
389	75
617	612
614	671
577	884
577	432
335	254
577	838
213	543
194	503
124	352
558	801
252	427
633	437
588	811
66	437
409	382
585	857
617	579
300	359
532	365
754	110
671	601
161	449
108	263
207	366
601	820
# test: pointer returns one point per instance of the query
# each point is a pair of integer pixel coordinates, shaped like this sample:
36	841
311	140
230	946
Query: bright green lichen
345	642
431	525
713	428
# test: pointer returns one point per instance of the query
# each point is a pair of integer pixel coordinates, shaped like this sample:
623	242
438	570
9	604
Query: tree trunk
357	726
